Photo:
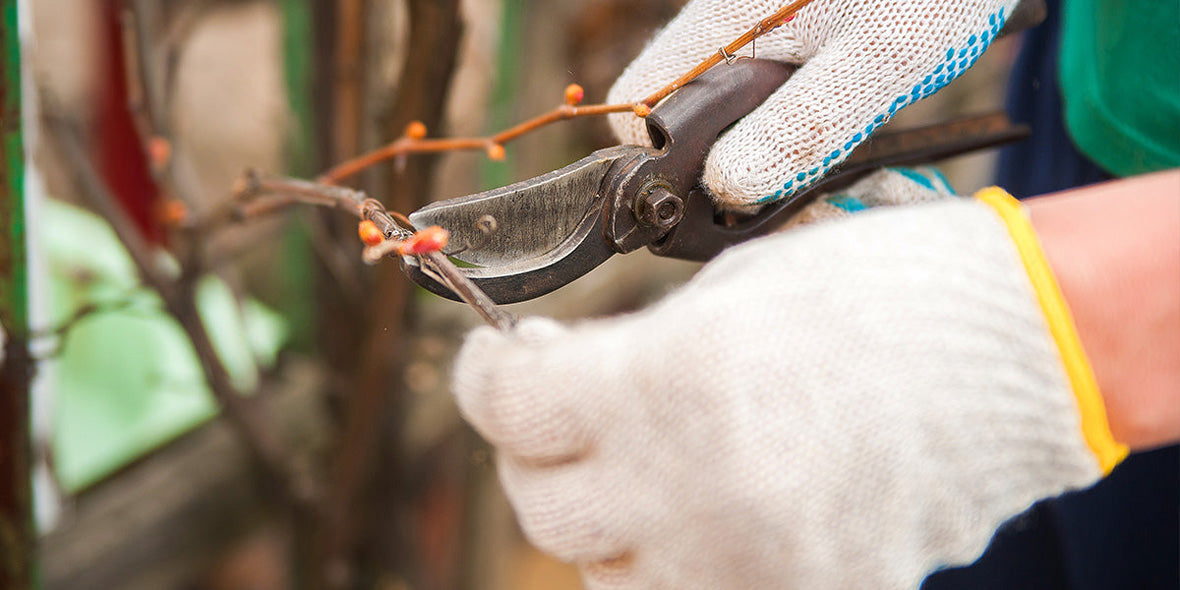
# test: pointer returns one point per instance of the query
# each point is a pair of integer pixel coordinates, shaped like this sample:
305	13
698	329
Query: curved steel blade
517	225
529	238
584	250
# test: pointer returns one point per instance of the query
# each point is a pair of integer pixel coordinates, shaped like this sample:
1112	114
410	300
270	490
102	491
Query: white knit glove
861	62
887	187
846	405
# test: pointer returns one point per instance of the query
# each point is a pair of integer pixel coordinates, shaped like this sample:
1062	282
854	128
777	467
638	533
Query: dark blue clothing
1120	534
1125	531
1048	161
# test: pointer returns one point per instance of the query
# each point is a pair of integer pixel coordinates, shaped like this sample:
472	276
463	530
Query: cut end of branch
496	152
641	110
425	241
246	184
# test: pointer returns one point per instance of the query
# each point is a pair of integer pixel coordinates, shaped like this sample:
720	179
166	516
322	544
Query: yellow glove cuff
1095	427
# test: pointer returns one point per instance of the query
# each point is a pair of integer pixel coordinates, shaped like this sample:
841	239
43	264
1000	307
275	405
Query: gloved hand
860	63
847	405
888	187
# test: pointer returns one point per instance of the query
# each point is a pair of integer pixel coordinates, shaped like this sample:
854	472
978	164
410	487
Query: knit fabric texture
860	63
846	405
888	187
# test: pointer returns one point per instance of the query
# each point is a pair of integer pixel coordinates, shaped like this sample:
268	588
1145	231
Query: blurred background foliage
151	489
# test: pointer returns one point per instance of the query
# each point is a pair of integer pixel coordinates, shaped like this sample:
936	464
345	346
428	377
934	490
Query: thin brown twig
259	195
398	147
560	113
276	193
437	264
406	145
262	196
179	299
146	90
764	26
147	81
175	37
61	331
133	66
255	195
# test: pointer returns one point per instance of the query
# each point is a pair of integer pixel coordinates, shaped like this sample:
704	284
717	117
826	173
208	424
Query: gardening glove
847	405
887	187
860	63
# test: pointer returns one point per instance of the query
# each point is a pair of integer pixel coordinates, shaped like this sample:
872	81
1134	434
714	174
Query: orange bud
574	94
159	151
496	152
415	130
172	212
431	239
241	184
642	110
369	233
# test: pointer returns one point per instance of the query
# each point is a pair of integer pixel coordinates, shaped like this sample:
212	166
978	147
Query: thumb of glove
860	63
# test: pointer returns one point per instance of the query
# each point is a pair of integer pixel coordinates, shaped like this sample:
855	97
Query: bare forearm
1115	249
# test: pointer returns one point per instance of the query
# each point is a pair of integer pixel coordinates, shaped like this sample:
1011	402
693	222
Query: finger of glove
890	187
852	86
615	573
701	28
567	510
883	188
516	392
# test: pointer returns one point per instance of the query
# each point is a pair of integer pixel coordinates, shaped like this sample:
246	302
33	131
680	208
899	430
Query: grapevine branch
415	142
149	60
61	331
178	299
766	25
147	67
256	195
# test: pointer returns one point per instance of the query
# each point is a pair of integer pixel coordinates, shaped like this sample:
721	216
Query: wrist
1058	320
1115	250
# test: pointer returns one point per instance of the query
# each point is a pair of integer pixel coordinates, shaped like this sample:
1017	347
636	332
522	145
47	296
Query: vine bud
415	130
159	152
172	212
574	94
369	233
431	239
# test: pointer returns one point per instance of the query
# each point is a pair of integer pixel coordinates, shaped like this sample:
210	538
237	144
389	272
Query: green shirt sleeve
1120	79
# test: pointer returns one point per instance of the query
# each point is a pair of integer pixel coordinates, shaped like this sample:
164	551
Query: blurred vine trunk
368	534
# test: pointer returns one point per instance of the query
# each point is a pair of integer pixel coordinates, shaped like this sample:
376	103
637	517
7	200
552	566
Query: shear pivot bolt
661	209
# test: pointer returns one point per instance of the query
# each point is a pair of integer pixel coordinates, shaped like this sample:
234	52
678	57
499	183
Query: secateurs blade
527	239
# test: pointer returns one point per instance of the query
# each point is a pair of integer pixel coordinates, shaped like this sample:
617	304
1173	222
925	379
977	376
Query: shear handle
703	233
645	194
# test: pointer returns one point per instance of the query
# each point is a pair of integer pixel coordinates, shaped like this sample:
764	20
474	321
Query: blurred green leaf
128	379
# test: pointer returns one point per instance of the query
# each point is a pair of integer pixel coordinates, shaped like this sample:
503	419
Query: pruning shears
530	238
